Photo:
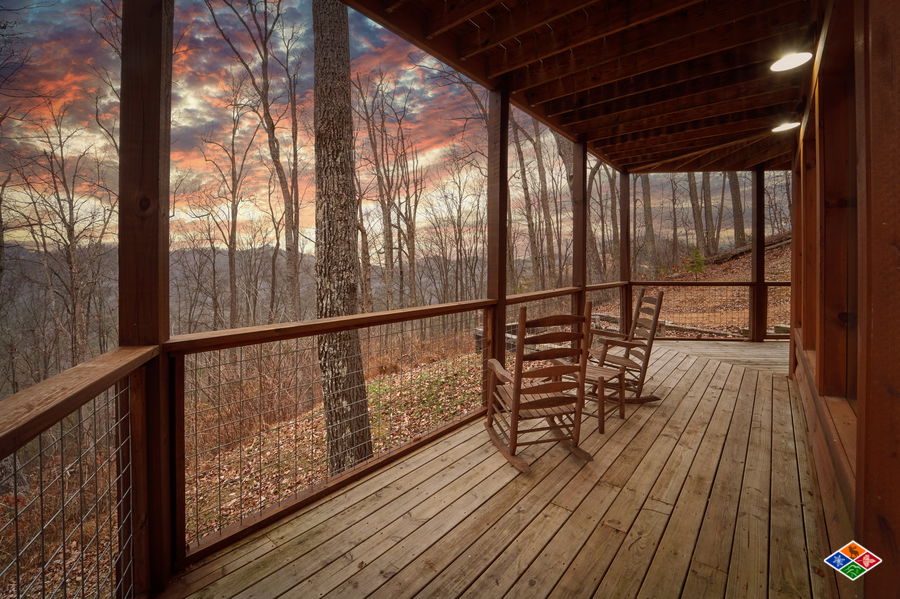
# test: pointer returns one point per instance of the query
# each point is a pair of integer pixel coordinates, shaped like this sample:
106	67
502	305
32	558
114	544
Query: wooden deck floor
708	493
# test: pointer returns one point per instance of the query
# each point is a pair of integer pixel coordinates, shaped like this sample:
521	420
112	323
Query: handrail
521	298
602	286
708	283
28	413
228	338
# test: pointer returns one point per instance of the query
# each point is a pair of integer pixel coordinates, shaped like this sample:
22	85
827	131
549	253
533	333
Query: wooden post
625	249
809	303
758	292
877	85
144	267
580	223
796	258
836	200
497	200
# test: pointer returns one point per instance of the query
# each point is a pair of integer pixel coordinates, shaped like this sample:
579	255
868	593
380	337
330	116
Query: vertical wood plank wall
846	267
877	95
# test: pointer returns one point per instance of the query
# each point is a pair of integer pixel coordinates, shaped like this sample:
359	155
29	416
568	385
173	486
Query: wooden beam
144	265
745	123
877	526
497	201
835	202
767	148
580	224
810	245
625	249
697	31
672	156
666	151
744	81
690	73
540	90
613	126
456	12
589	24
758	292
521	19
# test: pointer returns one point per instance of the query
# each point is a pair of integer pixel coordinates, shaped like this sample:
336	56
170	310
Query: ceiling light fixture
791	60
785	127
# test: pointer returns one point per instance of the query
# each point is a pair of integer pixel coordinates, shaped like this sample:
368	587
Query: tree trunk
337	266
649	232
737	208
709	223
537	268
699	229
544	198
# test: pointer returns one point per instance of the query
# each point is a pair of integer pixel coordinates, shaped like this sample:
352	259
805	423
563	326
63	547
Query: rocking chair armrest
624	343
499	371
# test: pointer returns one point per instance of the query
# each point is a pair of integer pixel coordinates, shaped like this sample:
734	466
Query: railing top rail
28	413
224	339
708	283
521	298
602	286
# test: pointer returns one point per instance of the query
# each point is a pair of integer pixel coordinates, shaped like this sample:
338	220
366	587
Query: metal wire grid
605	308
703	312
778	315
255	421
65	529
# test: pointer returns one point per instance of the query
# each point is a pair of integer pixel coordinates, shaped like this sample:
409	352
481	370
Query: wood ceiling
649	85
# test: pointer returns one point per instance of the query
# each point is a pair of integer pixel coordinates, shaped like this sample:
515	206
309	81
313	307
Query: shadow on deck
708	493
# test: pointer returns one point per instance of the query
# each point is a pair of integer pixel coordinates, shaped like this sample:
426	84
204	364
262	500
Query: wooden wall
846	270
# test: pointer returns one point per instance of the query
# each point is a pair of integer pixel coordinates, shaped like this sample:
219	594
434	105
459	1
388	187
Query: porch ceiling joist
644	83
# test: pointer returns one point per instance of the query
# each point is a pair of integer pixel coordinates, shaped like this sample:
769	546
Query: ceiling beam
589	24
664	153
455	12
757	54
755	121
693	32
748	155
777	39
613	126
721	86
520	20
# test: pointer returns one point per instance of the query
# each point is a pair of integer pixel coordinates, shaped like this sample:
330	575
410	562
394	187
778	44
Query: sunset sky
67	59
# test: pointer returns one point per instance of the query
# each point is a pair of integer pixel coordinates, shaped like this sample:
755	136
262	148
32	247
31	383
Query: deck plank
748	575
682	498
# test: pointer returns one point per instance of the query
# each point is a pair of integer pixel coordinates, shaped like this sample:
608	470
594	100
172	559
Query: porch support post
497	202
758	292
579	225
836	203
625	249
877	522
144	273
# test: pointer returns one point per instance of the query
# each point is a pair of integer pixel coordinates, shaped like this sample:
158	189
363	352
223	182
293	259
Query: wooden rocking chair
538	391
620	377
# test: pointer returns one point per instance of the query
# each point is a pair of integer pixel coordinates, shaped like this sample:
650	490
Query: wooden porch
710	492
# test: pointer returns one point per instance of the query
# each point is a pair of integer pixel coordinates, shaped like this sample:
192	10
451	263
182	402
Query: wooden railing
70	481
207	374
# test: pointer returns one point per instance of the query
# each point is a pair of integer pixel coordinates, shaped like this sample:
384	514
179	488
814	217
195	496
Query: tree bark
649	232
337	265
737	208
699	229
537	269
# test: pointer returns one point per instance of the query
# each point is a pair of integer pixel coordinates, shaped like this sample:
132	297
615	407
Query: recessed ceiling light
785	127
791	60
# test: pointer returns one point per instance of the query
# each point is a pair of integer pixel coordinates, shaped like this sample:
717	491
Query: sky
68	60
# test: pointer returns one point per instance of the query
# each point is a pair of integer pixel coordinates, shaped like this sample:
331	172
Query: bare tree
737	210
337	266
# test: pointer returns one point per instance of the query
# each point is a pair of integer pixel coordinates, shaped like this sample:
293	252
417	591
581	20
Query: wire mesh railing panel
268	422
66	506
605	305
778	313
703	311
